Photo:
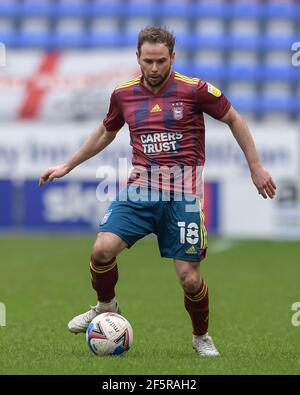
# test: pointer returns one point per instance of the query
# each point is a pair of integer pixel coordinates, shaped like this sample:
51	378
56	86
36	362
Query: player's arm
260	176
94	144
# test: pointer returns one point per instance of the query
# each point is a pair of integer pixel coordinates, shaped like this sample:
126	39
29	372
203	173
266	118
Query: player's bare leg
197	305
104	271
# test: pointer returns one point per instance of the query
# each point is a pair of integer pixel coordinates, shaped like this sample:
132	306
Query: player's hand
263	182
53	172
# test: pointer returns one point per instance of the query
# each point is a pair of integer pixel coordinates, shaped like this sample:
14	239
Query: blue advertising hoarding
70	206
6	201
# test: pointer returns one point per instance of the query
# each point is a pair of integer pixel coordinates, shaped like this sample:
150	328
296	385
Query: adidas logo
156	108
191	250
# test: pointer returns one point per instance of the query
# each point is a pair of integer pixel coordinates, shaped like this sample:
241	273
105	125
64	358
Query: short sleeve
114	119
211	100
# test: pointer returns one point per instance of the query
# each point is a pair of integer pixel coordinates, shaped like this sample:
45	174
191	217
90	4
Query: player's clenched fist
53	172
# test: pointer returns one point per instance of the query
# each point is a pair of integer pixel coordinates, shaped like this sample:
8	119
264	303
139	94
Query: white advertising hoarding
56	86
243	212
246	214
277	145
26	149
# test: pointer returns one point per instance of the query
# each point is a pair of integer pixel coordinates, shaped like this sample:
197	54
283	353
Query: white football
109	334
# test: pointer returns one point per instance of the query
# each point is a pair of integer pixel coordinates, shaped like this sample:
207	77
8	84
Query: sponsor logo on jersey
154	143
177	109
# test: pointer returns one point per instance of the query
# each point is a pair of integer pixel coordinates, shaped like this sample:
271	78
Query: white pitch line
221	245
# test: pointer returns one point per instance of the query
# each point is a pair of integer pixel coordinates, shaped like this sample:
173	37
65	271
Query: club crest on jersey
177	109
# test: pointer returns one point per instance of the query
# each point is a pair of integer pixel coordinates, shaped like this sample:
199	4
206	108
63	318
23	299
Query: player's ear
173	57
137	57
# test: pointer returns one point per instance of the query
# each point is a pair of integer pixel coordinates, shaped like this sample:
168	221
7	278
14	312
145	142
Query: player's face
155	62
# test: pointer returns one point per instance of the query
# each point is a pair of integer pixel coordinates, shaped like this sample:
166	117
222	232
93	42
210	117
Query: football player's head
155	54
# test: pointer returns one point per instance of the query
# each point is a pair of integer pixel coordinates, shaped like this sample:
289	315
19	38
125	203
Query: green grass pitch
45	281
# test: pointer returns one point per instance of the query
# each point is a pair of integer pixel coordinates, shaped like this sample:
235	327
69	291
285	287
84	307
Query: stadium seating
231	43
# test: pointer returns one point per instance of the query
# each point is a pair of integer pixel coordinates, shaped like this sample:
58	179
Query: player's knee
190	282
102	252
191	286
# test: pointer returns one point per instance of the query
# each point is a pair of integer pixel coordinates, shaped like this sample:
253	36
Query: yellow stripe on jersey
134	81
186	81
184	78
127	85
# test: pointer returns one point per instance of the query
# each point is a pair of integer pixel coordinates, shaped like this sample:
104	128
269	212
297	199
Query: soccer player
164	112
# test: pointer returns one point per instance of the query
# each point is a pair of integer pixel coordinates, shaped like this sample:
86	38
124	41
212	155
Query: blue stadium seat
242	41
35	24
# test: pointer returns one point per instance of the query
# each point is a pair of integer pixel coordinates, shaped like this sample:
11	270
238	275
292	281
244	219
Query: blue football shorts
178	222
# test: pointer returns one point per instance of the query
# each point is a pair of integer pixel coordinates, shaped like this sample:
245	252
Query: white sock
203	336
106	304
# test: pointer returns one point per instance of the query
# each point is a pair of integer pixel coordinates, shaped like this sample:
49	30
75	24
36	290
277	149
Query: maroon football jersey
166	128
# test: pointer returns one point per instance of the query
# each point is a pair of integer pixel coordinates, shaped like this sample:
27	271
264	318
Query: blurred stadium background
62	60
64	57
